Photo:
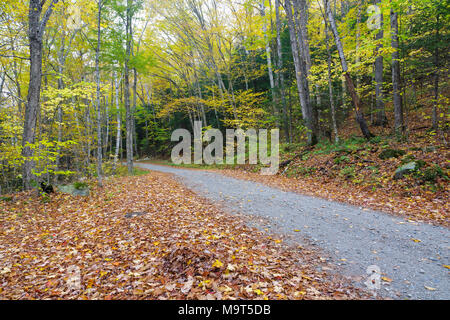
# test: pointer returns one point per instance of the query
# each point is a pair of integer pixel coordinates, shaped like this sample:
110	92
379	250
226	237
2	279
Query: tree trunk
350	86
330	86
268	57
397	98
280	72
301	20
302	13
59	110
99	115
380	118
358	36
135	144
36	28
129	114
436	77
119	120
301	75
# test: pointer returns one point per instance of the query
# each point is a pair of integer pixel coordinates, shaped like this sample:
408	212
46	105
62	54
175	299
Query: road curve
411	256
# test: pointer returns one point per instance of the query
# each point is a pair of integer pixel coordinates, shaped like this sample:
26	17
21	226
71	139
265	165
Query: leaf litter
183	247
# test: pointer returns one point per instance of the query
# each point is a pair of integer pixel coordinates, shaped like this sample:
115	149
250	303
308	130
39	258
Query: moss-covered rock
391	153
75	189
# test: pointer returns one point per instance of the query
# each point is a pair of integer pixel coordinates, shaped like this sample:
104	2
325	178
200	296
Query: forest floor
181	247
412	257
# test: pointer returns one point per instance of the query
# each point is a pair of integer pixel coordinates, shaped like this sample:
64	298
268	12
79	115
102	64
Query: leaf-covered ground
182	248
421	207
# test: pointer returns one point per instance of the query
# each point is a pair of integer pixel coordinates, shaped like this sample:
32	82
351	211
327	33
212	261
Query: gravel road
411	256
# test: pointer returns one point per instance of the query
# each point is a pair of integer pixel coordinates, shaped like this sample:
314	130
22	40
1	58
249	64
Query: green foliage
348	172
301	171
344	146
431	174
391	153
408	158
122	171
341	159
80	185
376	140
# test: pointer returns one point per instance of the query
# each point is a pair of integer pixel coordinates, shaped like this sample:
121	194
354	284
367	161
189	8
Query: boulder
74	191
429	149
135	214
405	169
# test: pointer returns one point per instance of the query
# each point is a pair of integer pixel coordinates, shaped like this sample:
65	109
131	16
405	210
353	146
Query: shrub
375	140
6	199
408	158
348	172
391	153
341	159
431	174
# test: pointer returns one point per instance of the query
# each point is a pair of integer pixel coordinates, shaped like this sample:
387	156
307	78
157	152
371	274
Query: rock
429	149
82	192
72	190
391	153
134	214
47	188
405	169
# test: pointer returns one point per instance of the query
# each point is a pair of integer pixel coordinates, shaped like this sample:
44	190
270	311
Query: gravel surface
410	255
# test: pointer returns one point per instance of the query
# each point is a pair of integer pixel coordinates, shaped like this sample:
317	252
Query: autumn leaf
217	264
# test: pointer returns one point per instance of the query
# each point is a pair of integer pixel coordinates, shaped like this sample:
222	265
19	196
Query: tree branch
46	16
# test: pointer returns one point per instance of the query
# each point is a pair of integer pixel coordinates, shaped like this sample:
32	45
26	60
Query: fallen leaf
217	264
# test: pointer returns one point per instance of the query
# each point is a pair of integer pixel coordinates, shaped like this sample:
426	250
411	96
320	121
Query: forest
91	89
86	84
